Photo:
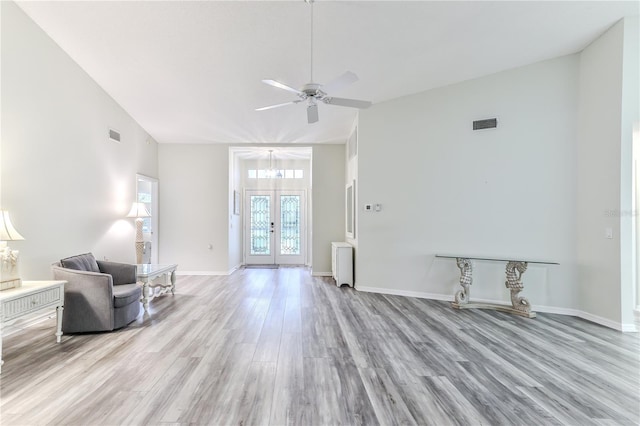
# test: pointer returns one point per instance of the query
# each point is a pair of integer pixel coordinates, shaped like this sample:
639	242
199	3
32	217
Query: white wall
544	185
607	108
194	207
328	192
66	186
635	213
200	174
444	188
630	122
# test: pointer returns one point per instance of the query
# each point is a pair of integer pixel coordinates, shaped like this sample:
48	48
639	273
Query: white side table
31	297
147	273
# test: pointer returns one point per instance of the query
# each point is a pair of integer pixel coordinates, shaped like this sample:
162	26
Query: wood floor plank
280	347
254	407
269	340
322	393
289	382
388	405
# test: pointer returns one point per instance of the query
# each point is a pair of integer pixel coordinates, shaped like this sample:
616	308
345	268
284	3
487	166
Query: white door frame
153	237
275	256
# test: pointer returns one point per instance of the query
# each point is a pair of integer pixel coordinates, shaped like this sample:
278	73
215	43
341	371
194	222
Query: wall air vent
489	123
114	135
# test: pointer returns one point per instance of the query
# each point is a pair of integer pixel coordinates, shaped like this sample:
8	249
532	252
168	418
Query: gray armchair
98	296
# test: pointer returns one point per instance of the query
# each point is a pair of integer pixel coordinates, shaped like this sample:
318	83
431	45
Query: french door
274	227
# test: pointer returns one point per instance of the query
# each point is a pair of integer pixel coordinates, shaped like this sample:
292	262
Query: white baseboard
406	293
629	328
321	274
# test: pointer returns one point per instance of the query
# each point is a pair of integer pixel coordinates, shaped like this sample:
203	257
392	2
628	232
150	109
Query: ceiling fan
312	93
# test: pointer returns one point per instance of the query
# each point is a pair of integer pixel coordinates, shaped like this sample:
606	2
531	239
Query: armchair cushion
81	262
126	294
122	273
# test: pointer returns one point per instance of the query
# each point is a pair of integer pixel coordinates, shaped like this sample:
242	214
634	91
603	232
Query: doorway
147	193
275	227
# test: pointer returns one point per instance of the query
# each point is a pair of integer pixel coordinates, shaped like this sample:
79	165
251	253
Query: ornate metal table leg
145	295
173	282
521	305
462	296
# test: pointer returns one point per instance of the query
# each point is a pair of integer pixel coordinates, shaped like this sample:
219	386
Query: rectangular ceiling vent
489	123
114	135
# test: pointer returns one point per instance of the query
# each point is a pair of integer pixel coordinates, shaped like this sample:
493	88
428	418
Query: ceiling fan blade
277	105
282	86
353	103
340	83
312	113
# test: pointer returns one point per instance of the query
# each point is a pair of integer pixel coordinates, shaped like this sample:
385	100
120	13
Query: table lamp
9	272
139	211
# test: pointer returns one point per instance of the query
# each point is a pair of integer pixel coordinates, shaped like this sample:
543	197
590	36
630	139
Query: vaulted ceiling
190	72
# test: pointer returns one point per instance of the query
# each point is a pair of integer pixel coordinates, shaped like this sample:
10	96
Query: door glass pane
290	224
260	224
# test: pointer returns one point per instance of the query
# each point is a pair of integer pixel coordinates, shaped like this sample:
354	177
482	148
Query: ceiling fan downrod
311	39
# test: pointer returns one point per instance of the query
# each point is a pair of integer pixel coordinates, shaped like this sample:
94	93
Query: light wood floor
280	347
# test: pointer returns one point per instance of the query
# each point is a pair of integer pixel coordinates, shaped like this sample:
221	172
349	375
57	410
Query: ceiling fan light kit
313	93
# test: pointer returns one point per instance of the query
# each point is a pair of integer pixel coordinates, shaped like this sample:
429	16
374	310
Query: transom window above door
275	174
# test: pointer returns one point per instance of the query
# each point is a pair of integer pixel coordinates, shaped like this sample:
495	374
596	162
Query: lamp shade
138	210
7	231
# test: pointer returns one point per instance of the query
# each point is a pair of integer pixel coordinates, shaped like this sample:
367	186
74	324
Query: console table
146	273
32	296
342	263
515	269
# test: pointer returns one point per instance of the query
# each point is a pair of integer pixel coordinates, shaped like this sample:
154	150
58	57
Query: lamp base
9	267
9	284
139	251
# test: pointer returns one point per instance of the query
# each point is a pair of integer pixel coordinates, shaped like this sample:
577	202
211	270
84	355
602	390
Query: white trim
155	217
406	293
321	274
627	328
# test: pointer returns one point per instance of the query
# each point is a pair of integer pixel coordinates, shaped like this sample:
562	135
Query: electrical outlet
608	233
